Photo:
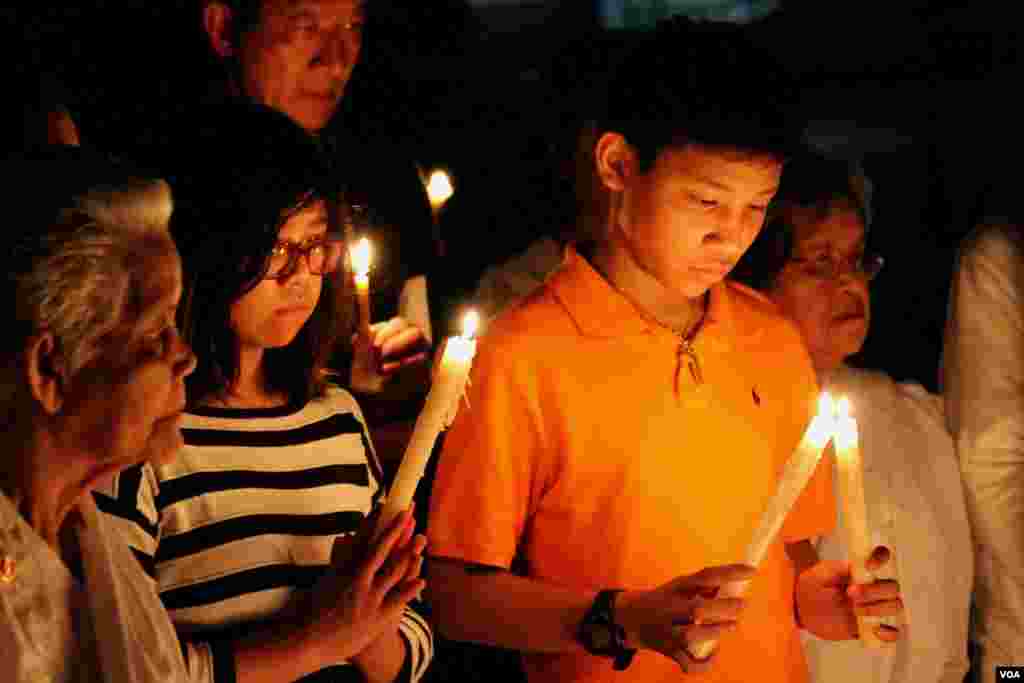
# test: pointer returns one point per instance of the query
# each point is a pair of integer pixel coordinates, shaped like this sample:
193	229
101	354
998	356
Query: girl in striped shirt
258	534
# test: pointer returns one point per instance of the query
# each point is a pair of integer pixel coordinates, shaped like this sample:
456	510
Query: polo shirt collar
600	310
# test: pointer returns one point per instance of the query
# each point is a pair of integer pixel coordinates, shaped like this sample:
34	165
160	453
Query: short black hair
246	14
704	83
253	170
809	181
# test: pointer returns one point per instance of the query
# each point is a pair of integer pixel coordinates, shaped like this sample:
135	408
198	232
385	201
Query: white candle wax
438	412
850	478
361	258
797	473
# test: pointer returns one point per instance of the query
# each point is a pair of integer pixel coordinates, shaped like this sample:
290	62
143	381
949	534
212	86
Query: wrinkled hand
681	612
828	603
366	590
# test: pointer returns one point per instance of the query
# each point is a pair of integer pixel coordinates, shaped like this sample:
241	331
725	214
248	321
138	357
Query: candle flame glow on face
470	324
439	188
360	257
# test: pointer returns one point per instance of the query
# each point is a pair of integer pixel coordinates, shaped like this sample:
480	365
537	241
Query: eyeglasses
322	257
825	267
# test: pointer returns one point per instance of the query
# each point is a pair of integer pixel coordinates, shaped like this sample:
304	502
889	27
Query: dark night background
922	91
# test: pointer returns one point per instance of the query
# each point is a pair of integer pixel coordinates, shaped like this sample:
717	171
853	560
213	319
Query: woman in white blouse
811	261
91	381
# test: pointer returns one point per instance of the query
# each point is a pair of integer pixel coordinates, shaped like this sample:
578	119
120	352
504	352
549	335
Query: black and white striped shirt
245	515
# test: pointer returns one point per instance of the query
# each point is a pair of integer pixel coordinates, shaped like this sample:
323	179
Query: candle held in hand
850	477
798	472
440	409
360	257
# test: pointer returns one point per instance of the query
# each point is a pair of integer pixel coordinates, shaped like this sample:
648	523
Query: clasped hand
364	593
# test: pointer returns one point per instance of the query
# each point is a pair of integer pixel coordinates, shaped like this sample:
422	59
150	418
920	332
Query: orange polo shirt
581	453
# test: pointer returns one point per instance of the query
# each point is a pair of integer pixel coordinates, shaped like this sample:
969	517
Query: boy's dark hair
254	170
703	83
809	181
246	14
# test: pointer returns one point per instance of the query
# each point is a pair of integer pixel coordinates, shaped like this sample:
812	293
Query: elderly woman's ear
45	371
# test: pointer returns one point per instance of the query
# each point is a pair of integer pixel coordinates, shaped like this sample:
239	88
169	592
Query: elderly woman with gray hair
91	381
811	260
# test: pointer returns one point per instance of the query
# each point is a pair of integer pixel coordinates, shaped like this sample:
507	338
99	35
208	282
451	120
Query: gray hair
74	275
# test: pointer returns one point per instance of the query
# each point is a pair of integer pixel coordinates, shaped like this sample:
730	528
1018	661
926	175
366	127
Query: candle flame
820	431
439	188
360	257
826	405
470	324
843	408
846	429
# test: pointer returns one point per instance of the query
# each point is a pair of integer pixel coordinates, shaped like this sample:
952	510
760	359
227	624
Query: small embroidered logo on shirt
757	396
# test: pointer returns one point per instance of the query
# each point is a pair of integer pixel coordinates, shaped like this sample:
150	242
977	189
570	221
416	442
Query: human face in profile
125	406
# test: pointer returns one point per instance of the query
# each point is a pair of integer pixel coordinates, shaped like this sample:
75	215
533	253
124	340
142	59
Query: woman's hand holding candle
829	605
850	477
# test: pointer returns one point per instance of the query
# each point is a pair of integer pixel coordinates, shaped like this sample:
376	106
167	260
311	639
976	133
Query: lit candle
440	408
850	477
360	257
439	191
798	471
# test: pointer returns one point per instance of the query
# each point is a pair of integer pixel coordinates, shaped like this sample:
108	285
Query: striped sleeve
371	454
419	642
129	503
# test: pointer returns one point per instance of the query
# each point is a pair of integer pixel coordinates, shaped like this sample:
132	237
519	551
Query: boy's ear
616	161
45	372
217	23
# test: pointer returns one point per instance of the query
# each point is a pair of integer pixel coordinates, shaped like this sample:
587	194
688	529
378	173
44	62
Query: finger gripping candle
854	527
798	472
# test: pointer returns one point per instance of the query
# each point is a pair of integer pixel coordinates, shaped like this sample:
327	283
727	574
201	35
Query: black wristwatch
601	635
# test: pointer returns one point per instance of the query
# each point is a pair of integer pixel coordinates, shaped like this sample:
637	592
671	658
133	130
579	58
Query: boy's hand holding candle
798	472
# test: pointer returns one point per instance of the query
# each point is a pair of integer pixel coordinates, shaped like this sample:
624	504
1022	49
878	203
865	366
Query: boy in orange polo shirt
629	420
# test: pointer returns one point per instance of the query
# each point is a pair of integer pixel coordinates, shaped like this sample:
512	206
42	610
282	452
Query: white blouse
915	506
54	628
